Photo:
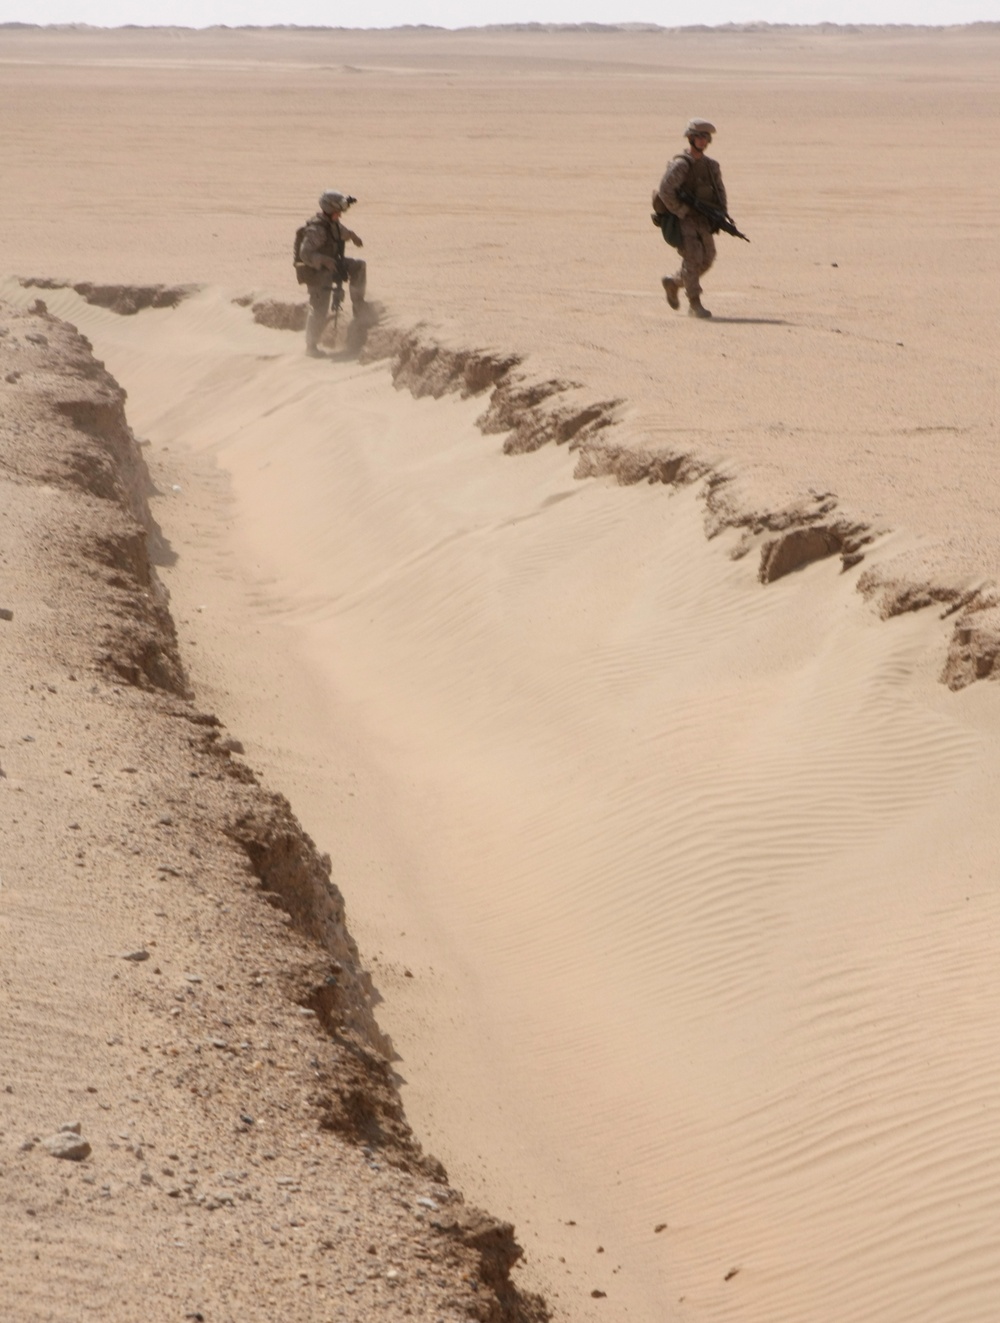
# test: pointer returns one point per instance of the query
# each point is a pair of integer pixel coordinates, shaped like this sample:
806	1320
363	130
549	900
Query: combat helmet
698	126
334	200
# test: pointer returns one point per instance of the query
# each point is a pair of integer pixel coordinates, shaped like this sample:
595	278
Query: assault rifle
337	301
719	219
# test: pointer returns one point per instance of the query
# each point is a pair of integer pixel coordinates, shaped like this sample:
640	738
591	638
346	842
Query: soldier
321	260
695	173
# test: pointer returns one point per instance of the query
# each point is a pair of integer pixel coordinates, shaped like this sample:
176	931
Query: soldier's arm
674	178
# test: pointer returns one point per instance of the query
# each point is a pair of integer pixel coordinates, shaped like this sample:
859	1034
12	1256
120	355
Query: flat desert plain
659	768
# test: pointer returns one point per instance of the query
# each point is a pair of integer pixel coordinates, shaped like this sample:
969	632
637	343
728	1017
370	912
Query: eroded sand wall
181	994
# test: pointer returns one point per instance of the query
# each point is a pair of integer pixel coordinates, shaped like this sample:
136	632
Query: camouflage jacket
324	238
703	179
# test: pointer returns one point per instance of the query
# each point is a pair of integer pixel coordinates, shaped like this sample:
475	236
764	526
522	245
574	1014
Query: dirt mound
126	300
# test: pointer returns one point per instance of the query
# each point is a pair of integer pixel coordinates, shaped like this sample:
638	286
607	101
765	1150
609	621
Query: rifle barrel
719	218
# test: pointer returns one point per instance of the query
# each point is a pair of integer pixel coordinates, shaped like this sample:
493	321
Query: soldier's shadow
753	321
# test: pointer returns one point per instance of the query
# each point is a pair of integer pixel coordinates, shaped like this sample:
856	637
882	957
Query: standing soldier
697	175
321	264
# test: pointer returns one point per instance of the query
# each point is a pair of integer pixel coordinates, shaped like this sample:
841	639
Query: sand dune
692	877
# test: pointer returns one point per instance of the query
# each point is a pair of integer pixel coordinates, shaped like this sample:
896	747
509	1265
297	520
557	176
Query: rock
136	956
6	613
797	547
67	1144
599	1295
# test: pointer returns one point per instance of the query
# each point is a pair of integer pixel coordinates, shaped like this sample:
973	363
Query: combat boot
697	309
670	288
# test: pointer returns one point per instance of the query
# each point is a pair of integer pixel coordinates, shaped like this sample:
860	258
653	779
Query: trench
651	864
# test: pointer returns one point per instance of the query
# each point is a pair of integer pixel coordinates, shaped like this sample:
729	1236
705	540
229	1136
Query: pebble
68	1143
137	956
6	613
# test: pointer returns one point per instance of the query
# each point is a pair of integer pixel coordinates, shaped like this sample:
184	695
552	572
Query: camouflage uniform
322	248
703	180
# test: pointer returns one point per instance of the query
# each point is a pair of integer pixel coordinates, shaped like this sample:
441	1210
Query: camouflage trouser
697	255
320	296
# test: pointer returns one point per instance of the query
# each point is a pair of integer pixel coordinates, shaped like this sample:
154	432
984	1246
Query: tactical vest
701	183
333	245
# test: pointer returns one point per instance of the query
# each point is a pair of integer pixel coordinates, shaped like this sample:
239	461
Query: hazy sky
462	13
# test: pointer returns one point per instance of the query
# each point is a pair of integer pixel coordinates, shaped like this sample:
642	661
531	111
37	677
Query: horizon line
637	25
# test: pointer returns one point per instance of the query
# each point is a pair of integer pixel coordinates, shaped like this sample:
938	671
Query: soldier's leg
357	278
699	254
319	310
692	259
708	250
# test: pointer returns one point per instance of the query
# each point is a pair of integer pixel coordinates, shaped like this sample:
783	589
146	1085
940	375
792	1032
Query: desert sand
657	768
